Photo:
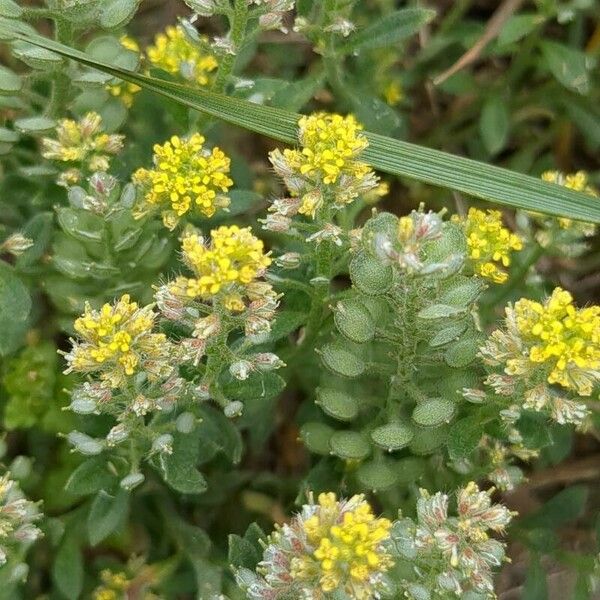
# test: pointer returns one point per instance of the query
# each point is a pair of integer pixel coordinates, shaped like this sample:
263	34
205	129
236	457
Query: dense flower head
579	183
186	176
83	144
117	341
325	169
125	90
489	243
226	264
175	53
453	554
563	338
120	585
17	517
332	545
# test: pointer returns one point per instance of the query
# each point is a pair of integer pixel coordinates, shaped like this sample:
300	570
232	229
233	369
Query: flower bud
289	260
163	444
185	422
267	361
16	244
233	409
84	443
119	433
131	481
241	369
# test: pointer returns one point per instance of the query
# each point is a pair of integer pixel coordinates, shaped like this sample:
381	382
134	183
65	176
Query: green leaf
10	82
493	124
242	553
89	477
179	468
107	513
536	586
10	9
67	570
569	66
117	13
392	156
15	304
464	436
517	27
35	125
389	30
566	506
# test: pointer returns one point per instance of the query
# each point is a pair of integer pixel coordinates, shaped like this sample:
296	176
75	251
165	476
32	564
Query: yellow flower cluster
233	259
114	586
326	167
186	176
565	338
117	341
489	243
125	90
347	538
575	181
82	143
175	53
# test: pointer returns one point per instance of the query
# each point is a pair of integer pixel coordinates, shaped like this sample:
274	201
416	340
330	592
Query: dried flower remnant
452	554
83	146
331	546
186	177
175	53
490	244
118	341
17	518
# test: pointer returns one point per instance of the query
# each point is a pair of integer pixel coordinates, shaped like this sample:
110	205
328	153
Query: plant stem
62	82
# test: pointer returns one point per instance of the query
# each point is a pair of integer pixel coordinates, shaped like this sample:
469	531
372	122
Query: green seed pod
448	334
463	352
337	404
428	439
10	82
316	437
440	311
418	592
460	290
370	275
433	412
452	243
354	321
349	445
383	224
392	436
341	361
378	308
36	58
377	475
410	469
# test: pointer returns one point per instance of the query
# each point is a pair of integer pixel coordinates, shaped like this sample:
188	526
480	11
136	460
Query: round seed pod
463	352
410	469
349	445
383	224
428	440
378	308
392	436
377	475
370	275
316	436
337	404
433	412
342	361
354	321
460	290
448	334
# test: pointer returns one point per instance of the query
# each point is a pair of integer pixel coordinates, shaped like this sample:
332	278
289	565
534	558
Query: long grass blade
396	157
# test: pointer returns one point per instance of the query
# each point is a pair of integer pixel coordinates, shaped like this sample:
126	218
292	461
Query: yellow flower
175	53
489	243
232	260
331	546
84	143
125	90
186	176
118	341
564	338
579	183
393	93
330	146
